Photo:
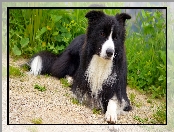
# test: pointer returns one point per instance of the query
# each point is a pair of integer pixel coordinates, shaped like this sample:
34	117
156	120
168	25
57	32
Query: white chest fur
97	72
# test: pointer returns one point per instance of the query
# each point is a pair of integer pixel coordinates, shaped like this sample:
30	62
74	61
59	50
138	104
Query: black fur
75	60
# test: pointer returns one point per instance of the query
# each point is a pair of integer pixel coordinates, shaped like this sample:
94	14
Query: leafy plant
39	88
33	30
65	82
96	111
75	101
146	54
141	120
160	115
14	72
132	98
37	121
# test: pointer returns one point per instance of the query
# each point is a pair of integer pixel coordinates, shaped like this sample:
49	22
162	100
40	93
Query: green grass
132	98
25	67
75	101
96	111
133	101
66	95
158	117
141	120
14	72
149	101
65	83
40	88
36	121
146	54
160	114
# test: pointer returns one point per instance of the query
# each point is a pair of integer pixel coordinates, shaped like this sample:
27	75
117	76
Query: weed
65	82
36	121
138	104
132	98
146	54
75	101
14	72
39	88
51	30
47	75
160	115
67	95
38	76
25	67
96	111
149	101
141	120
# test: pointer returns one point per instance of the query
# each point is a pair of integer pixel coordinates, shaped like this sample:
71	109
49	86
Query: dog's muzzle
109	53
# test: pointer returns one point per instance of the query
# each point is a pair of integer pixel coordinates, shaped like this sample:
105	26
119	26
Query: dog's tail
55	65
41	63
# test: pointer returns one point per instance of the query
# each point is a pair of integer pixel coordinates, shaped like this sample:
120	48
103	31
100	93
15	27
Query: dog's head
106	34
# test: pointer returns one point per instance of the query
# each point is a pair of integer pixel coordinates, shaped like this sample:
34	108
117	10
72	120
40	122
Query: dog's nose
109	52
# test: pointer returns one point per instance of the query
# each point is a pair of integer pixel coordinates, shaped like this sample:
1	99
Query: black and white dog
97	63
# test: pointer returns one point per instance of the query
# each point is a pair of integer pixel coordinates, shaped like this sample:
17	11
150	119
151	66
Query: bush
146	53
34	30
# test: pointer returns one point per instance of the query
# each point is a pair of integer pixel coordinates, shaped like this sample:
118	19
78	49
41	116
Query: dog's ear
122	17
93	16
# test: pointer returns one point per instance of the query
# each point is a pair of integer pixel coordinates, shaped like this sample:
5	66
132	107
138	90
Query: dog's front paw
111	114
111	117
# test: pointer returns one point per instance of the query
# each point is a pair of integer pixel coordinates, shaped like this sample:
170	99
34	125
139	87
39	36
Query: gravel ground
54	106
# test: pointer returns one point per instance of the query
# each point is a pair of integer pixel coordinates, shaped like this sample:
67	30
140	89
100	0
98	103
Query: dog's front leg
111	113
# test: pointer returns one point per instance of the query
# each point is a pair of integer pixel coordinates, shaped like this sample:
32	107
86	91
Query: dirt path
54	105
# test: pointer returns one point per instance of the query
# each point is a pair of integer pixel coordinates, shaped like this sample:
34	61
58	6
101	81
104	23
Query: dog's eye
102	34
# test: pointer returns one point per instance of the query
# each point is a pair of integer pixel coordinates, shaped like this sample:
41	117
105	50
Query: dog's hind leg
64	65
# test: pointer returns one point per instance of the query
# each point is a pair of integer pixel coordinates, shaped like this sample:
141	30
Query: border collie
97	63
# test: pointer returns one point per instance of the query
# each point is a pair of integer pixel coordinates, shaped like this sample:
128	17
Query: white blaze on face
108	45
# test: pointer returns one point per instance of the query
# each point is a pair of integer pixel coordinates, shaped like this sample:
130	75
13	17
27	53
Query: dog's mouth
107	58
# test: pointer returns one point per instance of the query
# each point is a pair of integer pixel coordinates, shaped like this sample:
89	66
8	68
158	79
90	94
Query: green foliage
75	101
132	98
146	53
160	115
96	111
36	121
34	30
40	88
25	67
149	101
14	72
141	120
65	82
